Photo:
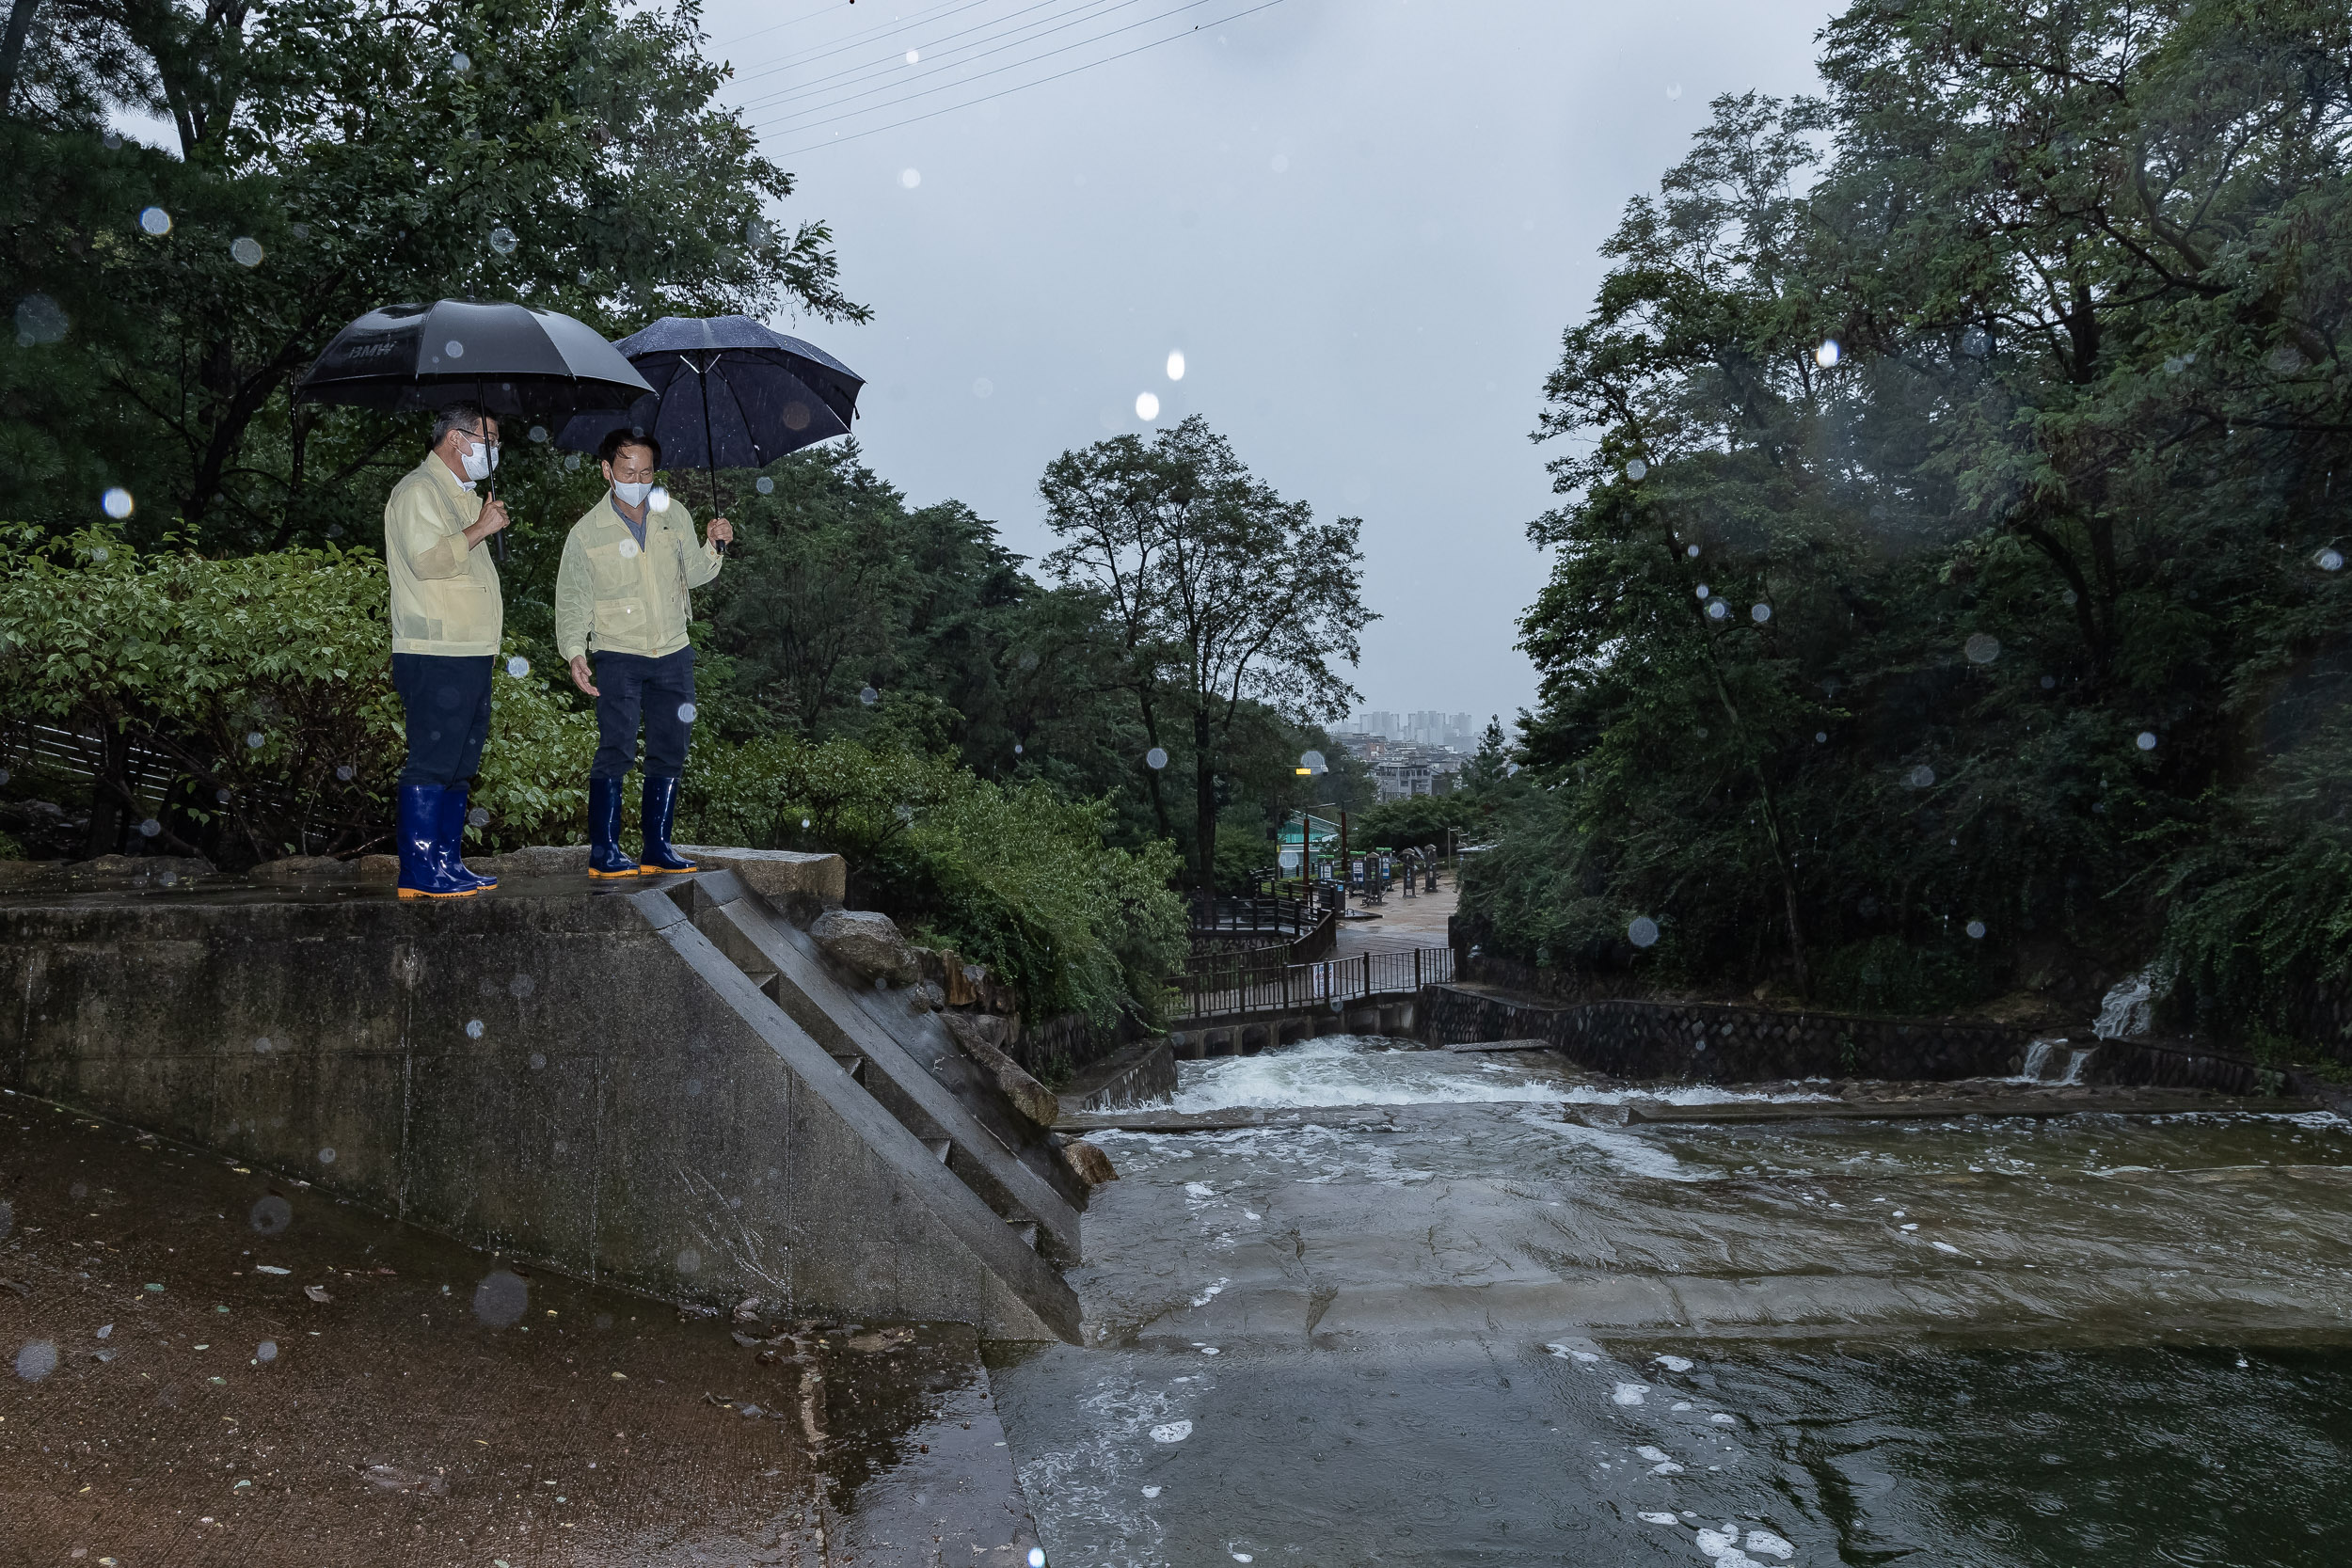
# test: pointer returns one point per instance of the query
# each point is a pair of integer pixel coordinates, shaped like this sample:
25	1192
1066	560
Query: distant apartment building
1427	727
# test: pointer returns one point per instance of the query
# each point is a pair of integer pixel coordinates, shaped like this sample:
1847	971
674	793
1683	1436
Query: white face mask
479	461
633	495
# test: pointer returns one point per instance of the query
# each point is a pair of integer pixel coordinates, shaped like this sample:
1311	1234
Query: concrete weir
664	1087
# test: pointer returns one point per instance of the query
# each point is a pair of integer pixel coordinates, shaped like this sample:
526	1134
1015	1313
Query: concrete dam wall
671	1088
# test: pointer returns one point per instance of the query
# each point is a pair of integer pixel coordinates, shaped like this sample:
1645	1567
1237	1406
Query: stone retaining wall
1711	1042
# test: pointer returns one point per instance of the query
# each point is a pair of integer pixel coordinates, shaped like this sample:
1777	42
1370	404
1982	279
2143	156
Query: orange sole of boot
611	875
666	870
419	893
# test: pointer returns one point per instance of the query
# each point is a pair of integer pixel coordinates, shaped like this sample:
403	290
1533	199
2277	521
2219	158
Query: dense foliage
1948	593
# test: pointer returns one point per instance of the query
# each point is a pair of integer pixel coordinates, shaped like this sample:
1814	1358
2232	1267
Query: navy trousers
658	690
447	706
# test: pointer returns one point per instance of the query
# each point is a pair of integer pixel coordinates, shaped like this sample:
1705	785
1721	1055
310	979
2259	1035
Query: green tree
1216	590
334	156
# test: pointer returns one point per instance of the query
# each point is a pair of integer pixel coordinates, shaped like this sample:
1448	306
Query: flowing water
1516	1328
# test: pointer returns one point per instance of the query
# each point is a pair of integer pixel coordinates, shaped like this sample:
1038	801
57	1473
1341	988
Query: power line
1023	86
895	58
1036	30
896	62
843	45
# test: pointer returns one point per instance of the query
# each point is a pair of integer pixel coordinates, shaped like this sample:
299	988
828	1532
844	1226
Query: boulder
23	873
379	868
303	868
866	943
1087	1163
799	886
978	1035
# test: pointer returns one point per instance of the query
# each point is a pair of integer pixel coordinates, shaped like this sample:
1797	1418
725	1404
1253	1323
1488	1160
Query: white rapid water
2042	1055
2127	1009
1359	1069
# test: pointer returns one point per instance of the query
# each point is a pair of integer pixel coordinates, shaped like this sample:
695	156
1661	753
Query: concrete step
913	1070
936	1151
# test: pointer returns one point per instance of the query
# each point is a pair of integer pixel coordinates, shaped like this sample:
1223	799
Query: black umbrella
510	359
727	392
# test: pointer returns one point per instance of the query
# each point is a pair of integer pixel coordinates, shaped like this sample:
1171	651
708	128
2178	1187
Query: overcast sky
1364	223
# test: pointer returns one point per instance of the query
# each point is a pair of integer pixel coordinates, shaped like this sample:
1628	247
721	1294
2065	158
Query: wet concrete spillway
1436	1307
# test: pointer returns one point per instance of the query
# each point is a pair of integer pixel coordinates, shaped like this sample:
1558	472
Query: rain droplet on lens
983	388
1821	737
327	1156
538	434
571	461
221	795
2069	595
473	1028
765	485
1156	758
518	667
2147	740
461	62
804	821
1759	614
1147	406
344	773
869	696
246	251
502	240
1920	777
659	499
269	1215
266	1351
454	349
538	1060
2049	683
1981	648
111	142
1975	928
910	178
759	231
629	549
1637	470
1176	365
150	828
1717	611
685	713
2330	560
1691	551
914	56
36	1359
501	1298
1016	748
1642	932
155	220
38	320
1828	354
116	503
477	817
254	740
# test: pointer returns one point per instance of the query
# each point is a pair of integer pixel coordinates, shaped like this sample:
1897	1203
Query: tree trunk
109	795
1204	802
12	47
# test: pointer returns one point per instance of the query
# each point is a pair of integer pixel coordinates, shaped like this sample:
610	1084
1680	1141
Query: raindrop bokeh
269	1215
685	713
246	251
154	220
1147	406
1717	609
1981	648
910	178
36	1359
2147	740
518	667
117	503
455	348
473	1028
1920	777
660	499
38	320
1759	614
765	485
867	695
1176	365
1976	929
502	240
1828	354
1642	932
150	828
2330	560
1637	470
1156	758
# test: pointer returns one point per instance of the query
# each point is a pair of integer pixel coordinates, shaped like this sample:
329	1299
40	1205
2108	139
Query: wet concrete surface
214	1365
1503	1328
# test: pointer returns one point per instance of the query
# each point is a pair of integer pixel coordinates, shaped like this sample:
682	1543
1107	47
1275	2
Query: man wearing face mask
446	621
622	593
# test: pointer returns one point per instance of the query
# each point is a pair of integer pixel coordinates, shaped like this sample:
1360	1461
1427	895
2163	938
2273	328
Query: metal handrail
1209	990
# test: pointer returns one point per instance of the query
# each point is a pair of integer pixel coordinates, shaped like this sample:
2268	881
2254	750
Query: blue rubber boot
604	830
454	839
422	874
661	806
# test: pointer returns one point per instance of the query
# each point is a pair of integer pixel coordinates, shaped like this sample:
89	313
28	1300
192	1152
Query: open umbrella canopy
727	393
510	359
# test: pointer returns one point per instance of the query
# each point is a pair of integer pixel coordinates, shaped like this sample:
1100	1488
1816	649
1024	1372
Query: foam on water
1362	1069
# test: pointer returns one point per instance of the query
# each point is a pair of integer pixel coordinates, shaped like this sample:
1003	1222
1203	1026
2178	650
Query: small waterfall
2042	1059
2129	1008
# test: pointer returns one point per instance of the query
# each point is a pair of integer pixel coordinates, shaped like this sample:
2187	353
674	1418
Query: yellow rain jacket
613	597
445	593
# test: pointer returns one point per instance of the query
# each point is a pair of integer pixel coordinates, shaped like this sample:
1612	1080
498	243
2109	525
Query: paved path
213	1366
1405	923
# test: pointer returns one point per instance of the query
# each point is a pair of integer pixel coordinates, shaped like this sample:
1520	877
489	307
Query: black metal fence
1218	985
